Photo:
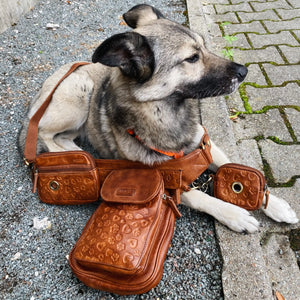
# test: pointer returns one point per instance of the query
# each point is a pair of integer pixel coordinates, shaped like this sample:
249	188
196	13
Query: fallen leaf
279	296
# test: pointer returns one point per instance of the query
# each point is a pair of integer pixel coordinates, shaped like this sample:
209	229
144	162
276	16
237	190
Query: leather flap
135	186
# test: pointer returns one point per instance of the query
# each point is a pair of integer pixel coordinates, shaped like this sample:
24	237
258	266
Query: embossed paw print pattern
240	185
118	236
68	187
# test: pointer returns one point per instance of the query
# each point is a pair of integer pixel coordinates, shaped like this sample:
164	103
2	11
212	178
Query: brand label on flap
126	192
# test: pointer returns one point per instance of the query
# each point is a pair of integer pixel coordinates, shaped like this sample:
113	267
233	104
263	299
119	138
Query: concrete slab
262	125
284	160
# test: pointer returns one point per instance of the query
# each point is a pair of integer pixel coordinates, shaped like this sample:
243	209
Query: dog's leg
278	209
66	141
58	142
219	157
236	218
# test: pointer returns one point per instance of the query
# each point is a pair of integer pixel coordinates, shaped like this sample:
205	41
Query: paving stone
255	56
295	3
294	118
282	266
259	6
266	124
291	53
247	27
260	97
229	17
249	154
288	13
262	15
209	10
218	1
222	9
261	40
276	26
235	103
297	33
219	43
283	159
255	75
281	74
241	41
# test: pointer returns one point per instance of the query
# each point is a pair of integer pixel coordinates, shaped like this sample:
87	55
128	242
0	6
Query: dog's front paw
280	211
237	218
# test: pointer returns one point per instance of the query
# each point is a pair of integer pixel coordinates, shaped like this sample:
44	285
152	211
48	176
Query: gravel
33	259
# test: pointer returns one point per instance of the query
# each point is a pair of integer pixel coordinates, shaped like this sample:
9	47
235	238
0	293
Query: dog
148	80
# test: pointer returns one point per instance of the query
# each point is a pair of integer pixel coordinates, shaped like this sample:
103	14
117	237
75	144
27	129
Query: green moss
244	97
276	140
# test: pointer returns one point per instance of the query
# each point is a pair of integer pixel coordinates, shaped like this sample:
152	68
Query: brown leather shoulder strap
32	132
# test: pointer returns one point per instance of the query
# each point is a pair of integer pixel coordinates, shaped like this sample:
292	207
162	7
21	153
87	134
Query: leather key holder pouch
241	185
66	178
123	246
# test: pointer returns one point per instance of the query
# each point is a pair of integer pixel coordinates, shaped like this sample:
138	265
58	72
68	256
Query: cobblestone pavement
262	130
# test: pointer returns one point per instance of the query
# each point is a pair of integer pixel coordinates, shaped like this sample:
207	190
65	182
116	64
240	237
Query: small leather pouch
123	246
66	178
240	185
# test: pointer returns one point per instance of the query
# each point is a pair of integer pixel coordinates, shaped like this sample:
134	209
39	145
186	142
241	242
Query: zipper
48	169
35	180
69	168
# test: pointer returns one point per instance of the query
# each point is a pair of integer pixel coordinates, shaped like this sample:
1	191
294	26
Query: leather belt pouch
124	244
66	178
240	185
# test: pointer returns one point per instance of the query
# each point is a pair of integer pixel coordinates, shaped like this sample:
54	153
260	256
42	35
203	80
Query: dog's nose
240	71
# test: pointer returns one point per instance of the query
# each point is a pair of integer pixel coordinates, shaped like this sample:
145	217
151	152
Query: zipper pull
35	179
172	204
267	193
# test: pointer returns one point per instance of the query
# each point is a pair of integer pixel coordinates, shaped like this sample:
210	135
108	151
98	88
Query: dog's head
161	58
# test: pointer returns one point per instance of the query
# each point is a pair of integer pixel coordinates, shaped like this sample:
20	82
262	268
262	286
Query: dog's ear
130	52
141	15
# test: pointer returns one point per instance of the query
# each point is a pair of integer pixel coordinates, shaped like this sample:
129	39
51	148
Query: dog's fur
148	80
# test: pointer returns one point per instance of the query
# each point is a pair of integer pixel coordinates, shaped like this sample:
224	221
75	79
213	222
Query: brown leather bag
66	177
123	246
241	185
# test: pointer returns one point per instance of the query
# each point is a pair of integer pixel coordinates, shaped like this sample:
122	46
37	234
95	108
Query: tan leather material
177	173
124	244
240	185
131	186
66	178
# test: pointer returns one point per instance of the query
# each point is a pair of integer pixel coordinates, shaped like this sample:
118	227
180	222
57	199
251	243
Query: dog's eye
194	58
